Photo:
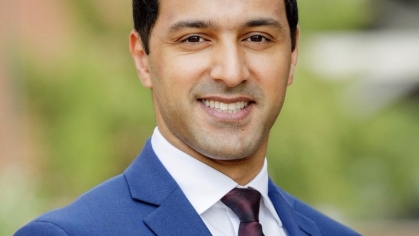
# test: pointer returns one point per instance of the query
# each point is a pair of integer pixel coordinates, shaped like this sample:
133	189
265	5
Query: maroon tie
245	202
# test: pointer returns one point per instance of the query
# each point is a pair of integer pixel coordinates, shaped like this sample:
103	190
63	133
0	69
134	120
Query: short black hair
145	14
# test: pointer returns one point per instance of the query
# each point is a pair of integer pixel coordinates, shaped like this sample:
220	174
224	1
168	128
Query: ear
140	58
294	57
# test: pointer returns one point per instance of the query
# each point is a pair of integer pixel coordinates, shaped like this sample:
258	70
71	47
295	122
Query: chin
228	154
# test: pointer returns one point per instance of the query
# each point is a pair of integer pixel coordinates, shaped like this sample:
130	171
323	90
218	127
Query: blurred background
73	112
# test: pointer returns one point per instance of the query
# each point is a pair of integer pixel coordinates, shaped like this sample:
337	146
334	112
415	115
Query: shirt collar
203	185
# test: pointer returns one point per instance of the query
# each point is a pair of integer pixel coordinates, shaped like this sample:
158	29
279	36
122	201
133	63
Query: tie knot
244	202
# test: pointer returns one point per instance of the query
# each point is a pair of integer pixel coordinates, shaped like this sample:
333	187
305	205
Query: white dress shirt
204	187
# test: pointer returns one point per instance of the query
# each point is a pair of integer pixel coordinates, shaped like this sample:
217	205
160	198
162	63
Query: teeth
225	107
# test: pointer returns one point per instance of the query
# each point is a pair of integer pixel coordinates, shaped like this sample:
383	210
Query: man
218	71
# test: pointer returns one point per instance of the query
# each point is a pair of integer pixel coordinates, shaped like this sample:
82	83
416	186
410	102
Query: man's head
218	71
145	14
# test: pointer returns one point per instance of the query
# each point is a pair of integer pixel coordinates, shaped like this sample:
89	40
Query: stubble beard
224	141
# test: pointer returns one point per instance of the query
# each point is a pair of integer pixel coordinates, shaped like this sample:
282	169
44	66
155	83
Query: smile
225	107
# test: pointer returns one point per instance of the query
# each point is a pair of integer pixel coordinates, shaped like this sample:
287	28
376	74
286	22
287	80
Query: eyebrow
264	22
201	24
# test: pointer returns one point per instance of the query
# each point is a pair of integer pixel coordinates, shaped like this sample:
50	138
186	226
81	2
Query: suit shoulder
96	212
326	225
40	228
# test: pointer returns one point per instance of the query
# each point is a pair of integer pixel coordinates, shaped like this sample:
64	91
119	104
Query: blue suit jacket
146	200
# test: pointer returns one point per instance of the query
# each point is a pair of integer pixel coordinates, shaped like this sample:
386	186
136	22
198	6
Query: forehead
222	12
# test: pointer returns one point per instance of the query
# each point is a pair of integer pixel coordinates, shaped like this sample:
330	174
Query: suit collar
150	182
295	223
203	185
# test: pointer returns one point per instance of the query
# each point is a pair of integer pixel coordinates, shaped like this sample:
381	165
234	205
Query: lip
224	116
228	99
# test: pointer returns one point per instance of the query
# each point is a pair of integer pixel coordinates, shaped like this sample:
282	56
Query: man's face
218	71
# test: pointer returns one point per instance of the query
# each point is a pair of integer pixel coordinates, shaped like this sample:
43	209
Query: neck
242	170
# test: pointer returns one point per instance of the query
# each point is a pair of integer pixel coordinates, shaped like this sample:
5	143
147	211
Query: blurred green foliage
366	167
320	15
91	117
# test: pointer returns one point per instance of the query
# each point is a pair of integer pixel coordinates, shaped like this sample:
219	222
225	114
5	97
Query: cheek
272	77
190	67
271	72
174	76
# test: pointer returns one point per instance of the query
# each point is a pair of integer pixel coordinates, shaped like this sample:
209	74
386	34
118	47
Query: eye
193	39
257	38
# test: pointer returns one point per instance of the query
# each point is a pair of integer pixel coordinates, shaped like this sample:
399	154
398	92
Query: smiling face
219	72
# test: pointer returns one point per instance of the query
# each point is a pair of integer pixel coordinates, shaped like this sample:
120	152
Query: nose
229	65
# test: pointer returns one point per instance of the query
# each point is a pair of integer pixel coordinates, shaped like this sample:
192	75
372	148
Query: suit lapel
150	182
177	215
295	223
